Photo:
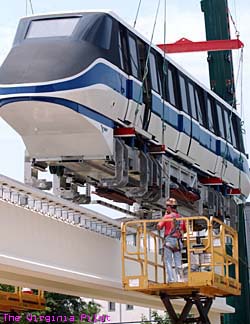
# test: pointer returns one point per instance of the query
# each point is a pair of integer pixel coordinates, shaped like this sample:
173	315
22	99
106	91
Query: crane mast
221	72
216	15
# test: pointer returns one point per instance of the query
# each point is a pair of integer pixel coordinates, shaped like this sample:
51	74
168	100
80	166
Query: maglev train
72	79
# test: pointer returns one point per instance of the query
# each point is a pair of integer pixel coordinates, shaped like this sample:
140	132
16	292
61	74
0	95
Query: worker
173	234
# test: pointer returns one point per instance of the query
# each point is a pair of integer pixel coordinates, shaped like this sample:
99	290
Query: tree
157	319
164	319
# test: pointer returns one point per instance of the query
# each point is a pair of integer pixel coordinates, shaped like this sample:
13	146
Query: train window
238	131
228	126
235	137
210	121
133	56
200	105
233	133
183	94
171	94
120	51
52	27
153	72
192	100
98	30
159	63
163	74
123	49
221	129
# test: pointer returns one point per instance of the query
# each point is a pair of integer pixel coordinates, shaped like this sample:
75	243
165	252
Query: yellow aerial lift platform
21	300
210	264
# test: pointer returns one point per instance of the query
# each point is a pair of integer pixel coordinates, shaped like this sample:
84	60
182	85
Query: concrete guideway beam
42	252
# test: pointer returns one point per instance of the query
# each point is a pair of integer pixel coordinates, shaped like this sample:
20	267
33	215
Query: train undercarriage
139	173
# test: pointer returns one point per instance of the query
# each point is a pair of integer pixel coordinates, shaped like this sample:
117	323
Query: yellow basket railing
211	253
20	300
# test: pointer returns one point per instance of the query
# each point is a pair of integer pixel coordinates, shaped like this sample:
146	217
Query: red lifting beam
184	45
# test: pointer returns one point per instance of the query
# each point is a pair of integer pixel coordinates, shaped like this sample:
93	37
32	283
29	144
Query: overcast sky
184	19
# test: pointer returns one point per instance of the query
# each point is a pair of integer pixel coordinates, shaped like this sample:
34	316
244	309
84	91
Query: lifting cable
145	72
242	130
164	72
31	7
234	103
239	76
137	13
237	34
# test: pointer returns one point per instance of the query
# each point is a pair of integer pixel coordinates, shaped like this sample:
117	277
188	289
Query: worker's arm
160	225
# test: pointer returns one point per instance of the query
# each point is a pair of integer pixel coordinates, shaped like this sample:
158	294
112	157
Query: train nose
52	130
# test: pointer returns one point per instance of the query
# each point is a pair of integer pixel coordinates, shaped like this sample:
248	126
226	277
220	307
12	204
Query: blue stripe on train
104	74
99	74
185	124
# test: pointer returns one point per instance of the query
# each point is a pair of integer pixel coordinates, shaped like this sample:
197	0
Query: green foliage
156	319
68	305
7	288
160	319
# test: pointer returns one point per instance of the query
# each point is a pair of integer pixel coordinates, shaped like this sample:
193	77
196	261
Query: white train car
75	82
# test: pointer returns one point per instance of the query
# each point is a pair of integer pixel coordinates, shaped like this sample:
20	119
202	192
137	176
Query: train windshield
97	30
52	27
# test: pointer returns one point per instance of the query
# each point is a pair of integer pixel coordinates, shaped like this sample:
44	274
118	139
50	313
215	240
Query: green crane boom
220	63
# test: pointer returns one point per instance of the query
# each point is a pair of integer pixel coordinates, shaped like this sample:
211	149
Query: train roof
123	22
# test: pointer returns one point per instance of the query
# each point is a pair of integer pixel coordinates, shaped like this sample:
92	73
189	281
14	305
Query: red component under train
114	195
184	195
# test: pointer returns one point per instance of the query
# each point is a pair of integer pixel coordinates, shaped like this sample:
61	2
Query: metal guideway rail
210	269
